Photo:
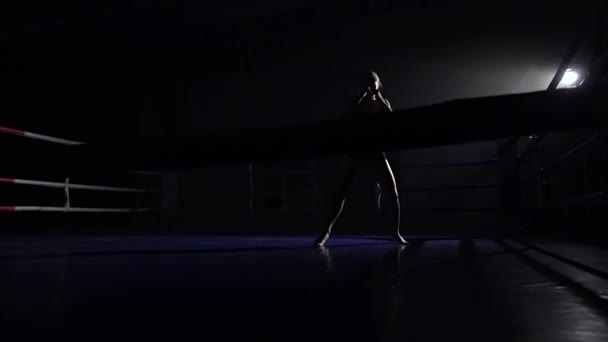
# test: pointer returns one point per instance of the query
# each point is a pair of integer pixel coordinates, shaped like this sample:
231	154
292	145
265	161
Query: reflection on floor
283	288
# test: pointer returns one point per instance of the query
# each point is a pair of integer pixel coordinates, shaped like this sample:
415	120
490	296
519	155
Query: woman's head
370	80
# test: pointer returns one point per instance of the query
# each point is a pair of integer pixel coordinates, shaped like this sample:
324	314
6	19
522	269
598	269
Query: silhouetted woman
369	102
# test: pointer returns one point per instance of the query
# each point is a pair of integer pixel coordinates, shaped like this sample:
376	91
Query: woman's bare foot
400	239
320	241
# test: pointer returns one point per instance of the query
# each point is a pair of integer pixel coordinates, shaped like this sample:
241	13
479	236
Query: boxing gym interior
169	170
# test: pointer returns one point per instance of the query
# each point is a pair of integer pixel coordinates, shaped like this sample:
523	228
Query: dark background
96	71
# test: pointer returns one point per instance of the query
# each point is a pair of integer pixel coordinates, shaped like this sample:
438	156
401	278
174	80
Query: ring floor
282	288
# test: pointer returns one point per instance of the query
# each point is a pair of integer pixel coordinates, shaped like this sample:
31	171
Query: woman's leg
391	192
337	202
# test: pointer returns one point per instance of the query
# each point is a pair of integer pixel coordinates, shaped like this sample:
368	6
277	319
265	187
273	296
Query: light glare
570	77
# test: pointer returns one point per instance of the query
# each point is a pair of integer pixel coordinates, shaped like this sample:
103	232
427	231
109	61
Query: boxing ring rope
66	185
146	173
449	164
58	185
36	136
71	209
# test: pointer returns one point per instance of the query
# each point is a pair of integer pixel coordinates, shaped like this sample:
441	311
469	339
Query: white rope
77	186
79	210
51	139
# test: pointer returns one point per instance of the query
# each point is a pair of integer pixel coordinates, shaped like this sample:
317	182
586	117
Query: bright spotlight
570	78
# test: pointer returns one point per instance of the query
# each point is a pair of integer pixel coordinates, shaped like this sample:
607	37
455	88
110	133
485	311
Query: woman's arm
387	105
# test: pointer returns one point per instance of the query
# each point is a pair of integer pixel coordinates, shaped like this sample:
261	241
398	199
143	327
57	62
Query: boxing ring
277	288
66	185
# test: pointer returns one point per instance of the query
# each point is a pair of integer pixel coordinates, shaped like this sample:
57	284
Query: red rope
11	131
